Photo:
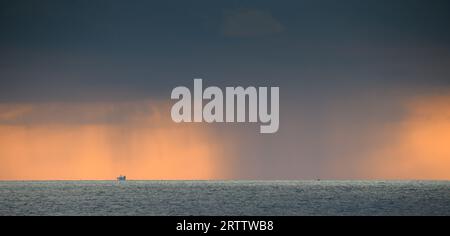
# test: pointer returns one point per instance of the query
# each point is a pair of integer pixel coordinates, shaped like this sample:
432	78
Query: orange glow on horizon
103	140
143	144
419	147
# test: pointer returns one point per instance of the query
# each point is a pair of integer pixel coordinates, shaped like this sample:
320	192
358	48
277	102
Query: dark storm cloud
72	50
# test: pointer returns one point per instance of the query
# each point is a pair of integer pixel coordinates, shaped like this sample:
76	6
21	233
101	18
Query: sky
85	88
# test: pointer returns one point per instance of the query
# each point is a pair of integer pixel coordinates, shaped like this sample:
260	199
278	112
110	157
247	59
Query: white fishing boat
121	178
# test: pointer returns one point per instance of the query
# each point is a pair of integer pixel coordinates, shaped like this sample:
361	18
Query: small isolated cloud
250	22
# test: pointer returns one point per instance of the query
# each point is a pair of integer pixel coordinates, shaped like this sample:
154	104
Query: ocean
225	197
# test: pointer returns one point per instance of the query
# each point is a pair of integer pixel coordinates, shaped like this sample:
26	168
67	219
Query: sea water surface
225	198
